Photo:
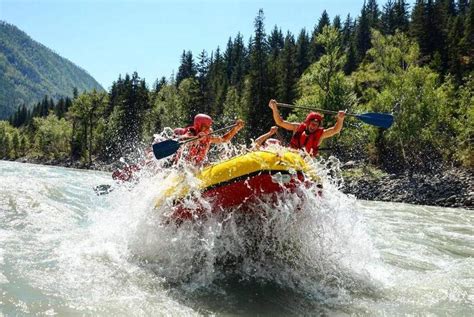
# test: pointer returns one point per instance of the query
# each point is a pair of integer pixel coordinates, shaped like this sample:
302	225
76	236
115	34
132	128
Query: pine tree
467	43
202	79
275	45
159	83
419	28
454	49
336	23
240	65
287	71
373	14
187	69
302	58
229	58
347	31
315	49
388	19
351	60
217	83
402	21
362	35
258	94
130	100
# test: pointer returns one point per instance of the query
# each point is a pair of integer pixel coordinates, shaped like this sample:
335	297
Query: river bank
452	187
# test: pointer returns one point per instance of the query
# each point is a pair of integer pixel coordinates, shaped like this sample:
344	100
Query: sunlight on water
65	250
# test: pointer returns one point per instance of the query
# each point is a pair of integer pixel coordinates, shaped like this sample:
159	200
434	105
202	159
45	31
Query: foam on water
64	250
316	246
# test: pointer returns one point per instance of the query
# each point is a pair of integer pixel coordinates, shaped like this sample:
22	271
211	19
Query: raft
242	180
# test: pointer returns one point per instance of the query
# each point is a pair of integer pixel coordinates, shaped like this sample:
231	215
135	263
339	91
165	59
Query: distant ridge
29	71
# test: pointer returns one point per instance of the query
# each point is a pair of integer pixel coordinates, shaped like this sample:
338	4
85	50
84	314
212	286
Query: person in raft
307	135
266	139
196	151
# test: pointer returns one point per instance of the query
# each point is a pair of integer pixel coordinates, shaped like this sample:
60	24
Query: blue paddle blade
165	148
382	120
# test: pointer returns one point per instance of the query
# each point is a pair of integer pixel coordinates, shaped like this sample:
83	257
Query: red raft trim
242	190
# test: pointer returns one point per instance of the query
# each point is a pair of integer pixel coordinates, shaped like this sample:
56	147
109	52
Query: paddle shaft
285	105
213	132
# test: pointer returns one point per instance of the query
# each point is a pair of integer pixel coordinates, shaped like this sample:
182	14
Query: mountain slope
29	70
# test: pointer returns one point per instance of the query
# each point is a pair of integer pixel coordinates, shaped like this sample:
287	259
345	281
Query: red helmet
201	119
313	116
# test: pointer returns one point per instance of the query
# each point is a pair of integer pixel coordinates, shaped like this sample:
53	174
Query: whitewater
66	251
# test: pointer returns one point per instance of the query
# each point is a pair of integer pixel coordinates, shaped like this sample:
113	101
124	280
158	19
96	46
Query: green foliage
324	84
86	113
425	118
463	125
424	77
52	137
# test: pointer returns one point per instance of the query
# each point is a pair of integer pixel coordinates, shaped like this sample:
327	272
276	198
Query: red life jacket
198	149
310	142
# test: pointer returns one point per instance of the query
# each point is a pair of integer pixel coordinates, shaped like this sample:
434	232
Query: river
66	251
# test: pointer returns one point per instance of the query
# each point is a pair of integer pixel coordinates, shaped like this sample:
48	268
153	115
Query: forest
416	63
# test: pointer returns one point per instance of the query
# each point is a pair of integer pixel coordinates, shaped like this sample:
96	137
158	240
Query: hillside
29	71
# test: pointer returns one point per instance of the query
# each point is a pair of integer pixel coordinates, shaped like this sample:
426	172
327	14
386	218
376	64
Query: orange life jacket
309	141
198	149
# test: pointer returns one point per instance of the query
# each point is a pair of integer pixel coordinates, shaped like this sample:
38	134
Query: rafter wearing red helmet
196	152
309	134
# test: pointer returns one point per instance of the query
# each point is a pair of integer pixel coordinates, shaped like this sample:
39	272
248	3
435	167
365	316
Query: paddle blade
165	148
382	120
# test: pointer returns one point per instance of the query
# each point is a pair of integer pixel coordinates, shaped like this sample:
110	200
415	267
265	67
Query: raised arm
259	141
332	131
229	135
290	126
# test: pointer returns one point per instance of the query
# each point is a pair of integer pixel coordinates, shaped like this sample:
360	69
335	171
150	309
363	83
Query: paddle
382	120
169	147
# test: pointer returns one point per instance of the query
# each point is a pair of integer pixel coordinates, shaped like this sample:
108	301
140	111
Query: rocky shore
452	187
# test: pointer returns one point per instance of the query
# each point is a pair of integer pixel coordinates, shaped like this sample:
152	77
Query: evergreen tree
287	71
217	83
347	31
275	45
275	42
322	23
130	101
190	99
467	42
418	25
258	92
351	60
302	58
389	19
373	14
336	23
315	49
229	58
187	69
402	21
159	83
454	49
239	67
362	35
60	108
202	79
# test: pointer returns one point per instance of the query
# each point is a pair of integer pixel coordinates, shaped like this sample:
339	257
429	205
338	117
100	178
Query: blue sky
108	38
